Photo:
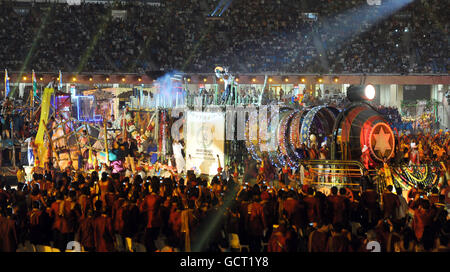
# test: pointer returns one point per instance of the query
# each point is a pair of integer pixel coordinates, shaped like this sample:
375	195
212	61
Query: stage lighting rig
361	92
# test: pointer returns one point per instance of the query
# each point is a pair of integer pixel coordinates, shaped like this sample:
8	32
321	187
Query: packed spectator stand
256	36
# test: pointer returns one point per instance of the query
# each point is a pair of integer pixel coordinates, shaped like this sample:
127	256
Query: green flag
34	84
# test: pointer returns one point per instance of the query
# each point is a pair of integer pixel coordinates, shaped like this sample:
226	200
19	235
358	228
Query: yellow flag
45	108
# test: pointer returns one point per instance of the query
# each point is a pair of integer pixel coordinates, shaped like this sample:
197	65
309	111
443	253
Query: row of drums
344	132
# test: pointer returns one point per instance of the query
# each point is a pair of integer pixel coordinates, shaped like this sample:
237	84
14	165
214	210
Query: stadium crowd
256	36
115	212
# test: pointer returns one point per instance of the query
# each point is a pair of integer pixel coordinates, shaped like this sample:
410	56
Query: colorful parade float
177	131
348	140
81	128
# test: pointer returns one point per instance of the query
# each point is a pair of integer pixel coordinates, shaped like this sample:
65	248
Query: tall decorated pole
34	83
216	93
262	90
106	141
7	88
13	145
60	84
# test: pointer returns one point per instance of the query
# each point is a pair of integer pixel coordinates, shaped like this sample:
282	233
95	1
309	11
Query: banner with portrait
205	140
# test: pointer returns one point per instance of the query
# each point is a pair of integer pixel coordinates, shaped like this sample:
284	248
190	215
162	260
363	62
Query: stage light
335	79
286	79
253	79
205	79
139	79
41	78
24	78
74	79
270	79
90	78
107	78
123	79
319	79
360	92
237	79
303	80
369	92
221	80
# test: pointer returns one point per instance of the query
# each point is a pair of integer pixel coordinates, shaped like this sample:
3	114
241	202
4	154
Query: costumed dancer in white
179	160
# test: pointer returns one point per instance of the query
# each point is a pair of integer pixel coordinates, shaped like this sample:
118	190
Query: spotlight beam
32	49
367	13
333	27
371	15
222	6
93	44
226	7
211	226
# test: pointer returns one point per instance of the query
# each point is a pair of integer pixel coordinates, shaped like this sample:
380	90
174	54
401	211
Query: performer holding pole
106	142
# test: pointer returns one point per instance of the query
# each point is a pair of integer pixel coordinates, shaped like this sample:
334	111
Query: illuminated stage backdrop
205	139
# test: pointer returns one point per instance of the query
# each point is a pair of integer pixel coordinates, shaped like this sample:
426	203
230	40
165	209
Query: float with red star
382	142
361	125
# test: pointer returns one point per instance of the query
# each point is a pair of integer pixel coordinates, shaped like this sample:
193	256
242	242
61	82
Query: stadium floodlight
357	93
369	92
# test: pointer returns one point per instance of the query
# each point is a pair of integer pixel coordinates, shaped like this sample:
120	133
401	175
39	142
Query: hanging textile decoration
161	129
131	128
388	175
410	176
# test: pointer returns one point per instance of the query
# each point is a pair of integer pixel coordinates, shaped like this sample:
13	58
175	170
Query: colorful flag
7	89
34	83
60	84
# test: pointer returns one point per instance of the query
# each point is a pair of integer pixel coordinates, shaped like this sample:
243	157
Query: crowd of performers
140	202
